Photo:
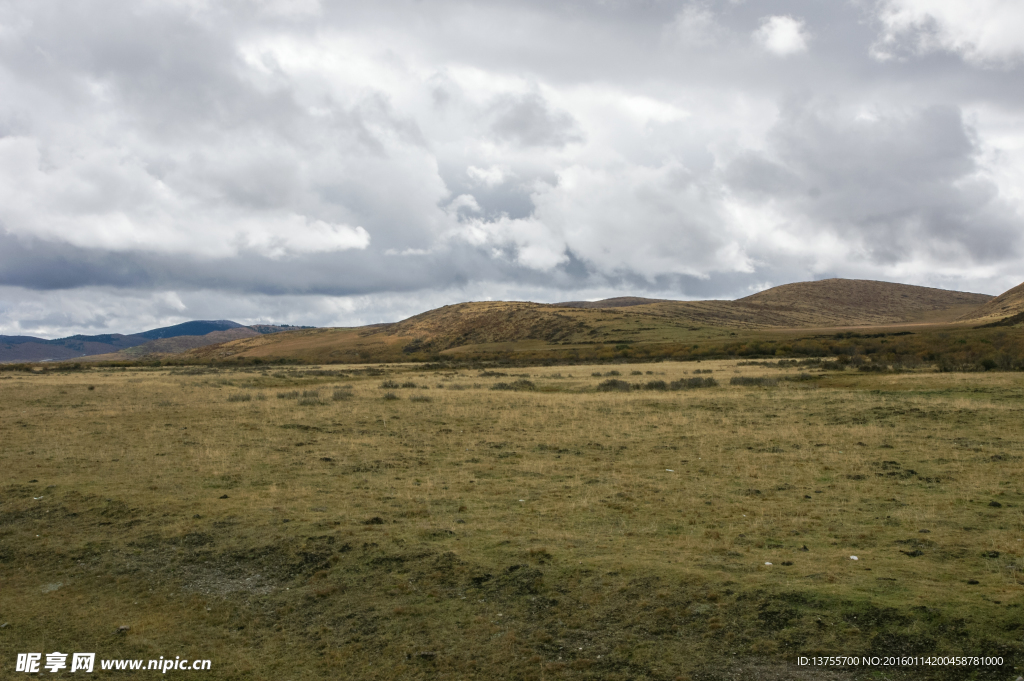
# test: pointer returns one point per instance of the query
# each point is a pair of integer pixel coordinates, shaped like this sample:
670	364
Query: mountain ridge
505	326
33	349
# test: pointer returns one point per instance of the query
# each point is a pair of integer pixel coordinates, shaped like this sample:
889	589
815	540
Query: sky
343	163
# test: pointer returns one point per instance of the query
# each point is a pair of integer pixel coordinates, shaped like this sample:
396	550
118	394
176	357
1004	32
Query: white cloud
983	32
392	149
782	35
491	176
694	26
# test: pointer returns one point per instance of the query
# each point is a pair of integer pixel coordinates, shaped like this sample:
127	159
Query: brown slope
1007	304
848	302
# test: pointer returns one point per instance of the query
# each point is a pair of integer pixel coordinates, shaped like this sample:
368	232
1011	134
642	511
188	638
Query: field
565	522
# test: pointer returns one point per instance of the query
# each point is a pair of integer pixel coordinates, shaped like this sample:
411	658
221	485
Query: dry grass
556	532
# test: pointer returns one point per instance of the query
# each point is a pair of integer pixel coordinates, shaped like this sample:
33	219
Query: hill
842	302
625	301
165	340
193	328
31	349
1005	309
497	327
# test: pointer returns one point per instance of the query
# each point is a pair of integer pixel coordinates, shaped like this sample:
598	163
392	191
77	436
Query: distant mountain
198	333
197	328
30	349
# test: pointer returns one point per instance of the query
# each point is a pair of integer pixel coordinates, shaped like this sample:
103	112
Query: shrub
290	395
311	401
311	393
656	385
420	398
688	383
240	397
341	394
390	396
389	385
521	384
614	384
636	373
754	380
613	373
704	371
408	384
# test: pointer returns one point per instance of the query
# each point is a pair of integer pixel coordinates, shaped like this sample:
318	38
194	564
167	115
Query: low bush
614	384
240	397
521	384
689	383
754	380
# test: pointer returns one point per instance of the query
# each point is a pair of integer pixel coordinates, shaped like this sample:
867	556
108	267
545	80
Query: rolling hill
1005	309
495	327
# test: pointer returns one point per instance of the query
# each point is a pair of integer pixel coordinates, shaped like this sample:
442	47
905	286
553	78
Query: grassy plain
298	523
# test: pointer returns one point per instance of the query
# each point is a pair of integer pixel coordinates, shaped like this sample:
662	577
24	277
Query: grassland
399	522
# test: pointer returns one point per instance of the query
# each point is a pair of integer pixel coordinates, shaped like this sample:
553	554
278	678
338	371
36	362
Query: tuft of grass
390	396
240	397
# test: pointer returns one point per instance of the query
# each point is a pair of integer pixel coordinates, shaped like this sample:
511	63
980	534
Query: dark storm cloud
351	155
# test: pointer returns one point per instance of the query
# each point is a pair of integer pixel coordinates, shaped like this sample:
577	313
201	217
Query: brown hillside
625	301
1004	305
835	302
504	326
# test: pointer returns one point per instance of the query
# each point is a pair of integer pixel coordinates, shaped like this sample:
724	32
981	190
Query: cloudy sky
341	163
